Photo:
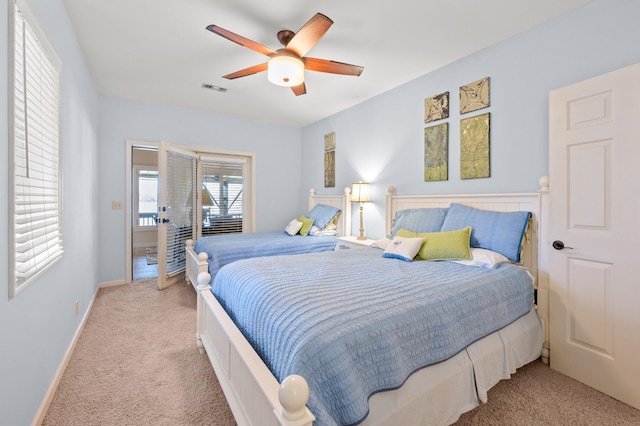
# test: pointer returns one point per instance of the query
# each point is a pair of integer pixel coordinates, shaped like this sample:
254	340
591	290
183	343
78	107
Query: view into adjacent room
220	199
144	190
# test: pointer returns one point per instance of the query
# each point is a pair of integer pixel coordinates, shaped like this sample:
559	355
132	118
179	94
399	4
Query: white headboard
343	202
530	202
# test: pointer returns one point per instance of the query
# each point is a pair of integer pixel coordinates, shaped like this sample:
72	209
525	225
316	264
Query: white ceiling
159	50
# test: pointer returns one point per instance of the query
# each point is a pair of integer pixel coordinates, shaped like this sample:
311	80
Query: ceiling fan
287	65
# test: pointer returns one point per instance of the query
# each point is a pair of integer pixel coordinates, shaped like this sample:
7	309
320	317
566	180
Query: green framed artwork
475	147
330	169
436	153
330	160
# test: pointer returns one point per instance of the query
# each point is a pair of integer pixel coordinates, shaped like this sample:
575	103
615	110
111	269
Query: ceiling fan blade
309	34
242	41
333	67
300	89
247	71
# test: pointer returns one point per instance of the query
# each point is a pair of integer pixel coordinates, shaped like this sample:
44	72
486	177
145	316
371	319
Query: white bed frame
197	263
254	394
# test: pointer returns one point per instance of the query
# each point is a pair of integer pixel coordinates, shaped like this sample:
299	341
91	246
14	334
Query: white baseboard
48	397
113	283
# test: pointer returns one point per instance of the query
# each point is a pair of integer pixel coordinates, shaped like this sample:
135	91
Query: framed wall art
436	153
330	160
330	142
474	96
475	147
436	107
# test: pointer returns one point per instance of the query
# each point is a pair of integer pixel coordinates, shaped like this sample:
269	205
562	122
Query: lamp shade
206	198
284	70
360	192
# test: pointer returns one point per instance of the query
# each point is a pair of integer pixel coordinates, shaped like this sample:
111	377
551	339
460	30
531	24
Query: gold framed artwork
330	160
474	96
330	141
436	153
436	107
475	147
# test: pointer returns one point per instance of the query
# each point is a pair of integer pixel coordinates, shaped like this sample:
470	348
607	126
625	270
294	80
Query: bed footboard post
203	285
293	396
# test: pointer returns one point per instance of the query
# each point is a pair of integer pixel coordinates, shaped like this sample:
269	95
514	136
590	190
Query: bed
452	382
211	253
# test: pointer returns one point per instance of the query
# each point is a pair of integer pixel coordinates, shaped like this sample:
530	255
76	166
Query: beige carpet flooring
136	363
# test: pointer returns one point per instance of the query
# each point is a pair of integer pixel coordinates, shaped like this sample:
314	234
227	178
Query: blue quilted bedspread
353	323
226	248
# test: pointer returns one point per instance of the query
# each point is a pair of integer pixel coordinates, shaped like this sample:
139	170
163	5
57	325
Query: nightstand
345	243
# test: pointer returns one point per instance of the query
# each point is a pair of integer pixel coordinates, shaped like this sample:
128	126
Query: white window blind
222	193
181	175
35	195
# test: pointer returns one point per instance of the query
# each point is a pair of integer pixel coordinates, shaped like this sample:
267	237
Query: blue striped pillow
501	232
322	215
419	220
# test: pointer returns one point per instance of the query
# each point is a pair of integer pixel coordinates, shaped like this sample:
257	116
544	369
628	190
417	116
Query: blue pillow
419	220
322	215
501	232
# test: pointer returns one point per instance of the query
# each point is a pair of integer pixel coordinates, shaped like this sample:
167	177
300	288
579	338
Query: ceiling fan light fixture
285	70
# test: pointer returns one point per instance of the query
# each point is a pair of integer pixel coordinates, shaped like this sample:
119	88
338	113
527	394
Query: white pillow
293	227
381	244
484	258
314	230
403	248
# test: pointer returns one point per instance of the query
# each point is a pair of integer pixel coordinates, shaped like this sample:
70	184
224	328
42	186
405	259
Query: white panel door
176	210
594	174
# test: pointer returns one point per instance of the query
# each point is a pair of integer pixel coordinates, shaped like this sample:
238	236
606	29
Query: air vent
212	87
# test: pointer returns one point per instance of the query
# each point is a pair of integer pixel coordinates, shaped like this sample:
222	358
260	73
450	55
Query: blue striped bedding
226	248
353	323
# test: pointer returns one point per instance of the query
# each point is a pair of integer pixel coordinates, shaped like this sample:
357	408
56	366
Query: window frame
222	167
45	49
136	198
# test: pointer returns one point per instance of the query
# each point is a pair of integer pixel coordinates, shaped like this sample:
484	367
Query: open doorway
229	204
144	212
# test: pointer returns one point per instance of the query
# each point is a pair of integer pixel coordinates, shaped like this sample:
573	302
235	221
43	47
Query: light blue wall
277	150
382	140
37	326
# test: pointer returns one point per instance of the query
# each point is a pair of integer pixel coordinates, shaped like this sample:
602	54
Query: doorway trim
128	208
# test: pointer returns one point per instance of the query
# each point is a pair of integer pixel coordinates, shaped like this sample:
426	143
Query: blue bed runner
353	323
226	248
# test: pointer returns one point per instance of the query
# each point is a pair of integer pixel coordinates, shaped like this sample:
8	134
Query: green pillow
441	245
306	225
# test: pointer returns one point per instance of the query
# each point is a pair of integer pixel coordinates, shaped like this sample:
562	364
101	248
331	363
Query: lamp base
361	237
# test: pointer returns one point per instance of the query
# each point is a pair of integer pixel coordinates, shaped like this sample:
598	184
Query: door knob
559	245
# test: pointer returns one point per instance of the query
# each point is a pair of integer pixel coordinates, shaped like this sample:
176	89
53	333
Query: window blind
222	179
36	225
181	175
